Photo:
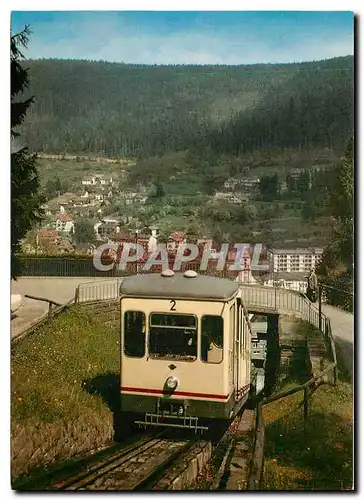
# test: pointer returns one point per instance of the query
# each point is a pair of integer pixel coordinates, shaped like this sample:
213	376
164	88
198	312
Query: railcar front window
173	336
212	339
134	334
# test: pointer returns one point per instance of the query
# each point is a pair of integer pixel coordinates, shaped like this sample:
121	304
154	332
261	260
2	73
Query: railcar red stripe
176	393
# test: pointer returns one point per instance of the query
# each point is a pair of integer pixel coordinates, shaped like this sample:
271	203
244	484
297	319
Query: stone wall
45	444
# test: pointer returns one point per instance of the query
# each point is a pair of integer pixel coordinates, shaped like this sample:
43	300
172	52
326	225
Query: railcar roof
178	286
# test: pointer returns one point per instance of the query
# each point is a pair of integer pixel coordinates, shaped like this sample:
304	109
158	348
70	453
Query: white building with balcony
295	260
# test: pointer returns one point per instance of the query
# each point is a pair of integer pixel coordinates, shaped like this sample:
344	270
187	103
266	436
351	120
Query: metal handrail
90	291
257	462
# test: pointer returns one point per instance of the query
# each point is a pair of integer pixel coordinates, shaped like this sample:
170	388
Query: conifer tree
336	269
25	199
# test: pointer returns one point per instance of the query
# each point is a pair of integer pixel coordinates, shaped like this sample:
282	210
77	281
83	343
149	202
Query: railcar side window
134	334
173	336
212	339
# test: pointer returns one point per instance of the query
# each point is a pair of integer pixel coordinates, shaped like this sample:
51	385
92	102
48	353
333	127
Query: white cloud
117	42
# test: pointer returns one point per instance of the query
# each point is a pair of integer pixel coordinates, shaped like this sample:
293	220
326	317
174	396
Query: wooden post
309	312
77	294
275	295
335	376
320	305
50	309
305	410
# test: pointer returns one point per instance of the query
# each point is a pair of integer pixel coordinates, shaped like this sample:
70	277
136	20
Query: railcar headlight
172	382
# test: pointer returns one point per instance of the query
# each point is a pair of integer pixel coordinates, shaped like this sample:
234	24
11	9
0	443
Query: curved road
342	327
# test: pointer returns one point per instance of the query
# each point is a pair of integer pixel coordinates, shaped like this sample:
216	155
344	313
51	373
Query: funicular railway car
185	350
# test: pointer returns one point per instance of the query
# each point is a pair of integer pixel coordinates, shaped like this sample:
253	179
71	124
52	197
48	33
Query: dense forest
114	109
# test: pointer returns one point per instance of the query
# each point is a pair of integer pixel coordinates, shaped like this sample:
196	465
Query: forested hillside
117	109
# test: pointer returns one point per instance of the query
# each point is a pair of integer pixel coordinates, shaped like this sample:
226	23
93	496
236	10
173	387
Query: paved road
342	326
60	290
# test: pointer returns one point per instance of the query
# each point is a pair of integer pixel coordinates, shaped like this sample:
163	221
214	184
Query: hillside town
61	231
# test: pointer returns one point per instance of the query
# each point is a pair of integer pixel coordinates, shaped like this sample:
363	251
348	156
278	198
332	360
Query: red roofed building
65	223
49	235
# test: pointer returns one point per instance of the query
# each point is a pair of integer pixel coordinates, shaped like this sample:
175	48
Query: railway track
164	460
136	467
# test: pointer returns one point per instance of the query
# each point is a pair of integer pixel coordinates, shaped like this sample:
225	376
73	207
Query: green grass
64	389
321	459
51	367
73	171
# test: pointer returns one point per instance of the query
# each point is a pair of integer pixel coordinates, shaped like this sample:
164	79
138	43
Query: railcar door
234	325
244	351
237	346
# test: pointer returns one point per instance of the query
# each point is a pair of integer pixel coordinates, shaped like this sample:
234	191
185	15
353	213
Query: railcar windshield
173	336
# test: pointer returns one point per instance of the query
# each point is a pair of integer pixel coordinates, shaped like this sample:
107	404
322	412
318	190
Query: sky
188	37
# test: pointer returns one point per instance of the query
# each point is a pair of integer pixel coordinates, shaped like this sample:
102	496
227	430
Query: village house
65	224
174	240
89	180
47	209
140	199
229	196
130	197
230	183
111	218
136	238
80	201
49	235
99	196
65	200
107	229
223	195
106	180
249	184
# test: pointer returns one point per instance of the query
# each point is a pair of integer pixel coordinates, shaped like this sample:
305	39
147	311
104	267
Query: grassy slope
321	460
64	389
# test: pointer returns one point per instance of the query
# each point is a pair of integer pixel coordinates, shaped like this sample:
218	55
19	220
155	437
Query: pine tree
159	191
336	269
25	199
